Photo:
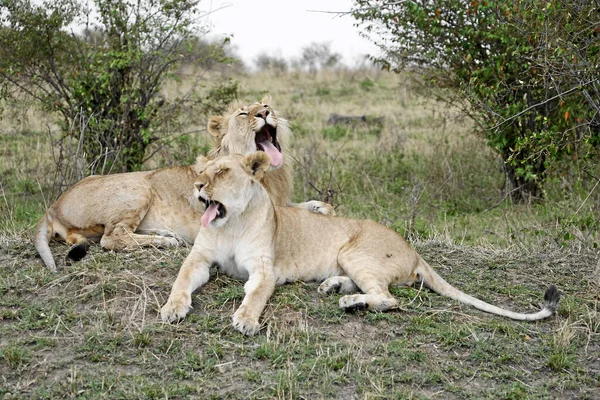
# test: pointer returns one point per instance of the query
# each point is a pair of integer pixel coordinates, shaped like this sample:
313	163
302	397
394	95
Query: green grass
92	330
112	345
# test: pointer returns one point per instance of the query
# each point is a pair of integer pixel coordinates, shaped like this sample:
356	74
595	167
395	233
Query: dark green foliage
104	84
525	71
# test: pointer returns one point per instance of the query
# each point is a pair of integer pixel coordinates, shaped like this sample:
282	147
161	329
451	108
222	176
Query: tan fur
269	245
155	208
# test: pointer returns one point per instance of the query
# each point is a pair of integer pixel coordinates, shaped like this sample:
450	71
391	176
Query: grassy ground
92	329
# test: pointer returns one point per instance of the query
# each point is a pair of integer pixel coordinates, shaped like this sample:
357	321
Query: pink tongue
272	152
209	214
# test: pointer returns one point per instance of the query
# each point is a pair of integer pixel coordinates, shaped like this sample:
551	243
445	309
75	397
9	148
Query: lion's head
228	184
248	128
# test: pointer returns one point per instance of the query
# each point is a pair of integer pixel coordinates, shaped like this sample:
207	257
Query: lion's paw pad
172	241
323	208
353	303
245	325
329	287
179	241
174	311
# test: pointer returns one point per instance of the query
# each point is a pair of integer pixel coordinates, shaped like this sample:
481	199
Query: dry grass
92	331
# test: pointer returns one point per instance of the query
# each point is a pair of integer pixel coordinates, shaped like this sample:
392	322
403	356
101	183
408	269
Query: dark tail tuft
78	251
551	298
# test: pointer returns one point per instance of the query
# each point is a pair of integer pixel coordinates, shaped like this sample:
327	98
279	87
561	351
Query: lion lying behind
154	208
249	237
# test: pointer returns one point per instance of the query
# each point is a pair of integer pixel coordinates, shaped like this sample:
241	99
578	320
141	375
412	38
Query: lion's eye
242	113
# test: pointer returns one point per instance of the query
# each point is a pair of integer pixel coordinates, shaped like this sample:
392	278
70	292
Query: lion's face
249	128
228	184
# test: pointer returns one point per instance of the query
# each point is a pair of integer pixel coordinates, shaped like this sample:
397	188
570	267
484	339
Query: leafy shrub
525	71
105	85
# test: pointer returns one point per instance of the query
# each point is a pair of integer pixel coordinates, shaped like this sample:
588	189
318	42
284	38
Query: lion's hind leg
122	237
338	284
162	232
370	301
368	275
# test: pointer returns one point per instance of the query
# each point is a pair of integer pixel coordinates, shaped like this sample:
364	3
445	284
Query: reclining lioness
154	208
250	238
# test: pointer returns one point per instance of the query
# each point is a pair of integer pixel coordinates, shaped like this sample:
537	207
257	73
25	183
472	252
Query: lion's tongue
272	152
209	214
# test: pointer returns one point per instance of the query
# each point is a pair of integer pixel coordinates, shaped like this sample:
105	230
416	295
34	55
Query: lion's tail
436	283
43	234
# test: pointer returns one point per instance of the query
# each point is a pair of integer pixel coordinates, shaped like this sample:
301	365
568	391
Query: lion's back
95	198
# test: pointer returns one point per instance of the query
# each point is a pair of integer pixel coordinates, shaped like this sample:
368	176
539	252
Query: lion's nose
263	114
199	185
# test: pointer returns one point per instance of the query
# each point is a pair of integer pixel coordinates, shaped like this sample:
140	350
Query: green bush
105	85
366	84
525	71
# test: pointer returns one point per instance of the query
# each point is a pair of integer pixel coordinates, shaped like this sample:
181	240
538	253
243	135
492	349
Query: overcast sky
283	27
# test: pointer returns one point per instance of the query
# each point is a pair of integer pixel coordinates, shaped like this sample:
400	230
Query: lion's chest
231	267
237	257
239	248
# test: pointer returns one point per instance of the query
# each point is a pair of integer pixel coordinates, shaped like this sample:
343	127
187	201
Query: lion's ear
266	99
257	164
200	163
214	126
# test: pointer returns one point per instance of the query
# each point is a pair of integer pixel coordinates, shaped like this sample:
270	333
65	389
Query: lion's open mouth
214	210
266	140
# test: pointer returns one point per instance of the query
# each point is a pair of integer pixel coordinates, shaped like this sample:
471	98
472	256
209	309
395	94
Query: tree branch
578	87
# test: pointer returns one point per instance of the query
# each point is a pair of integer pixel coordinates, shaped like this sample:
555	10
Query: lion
155	208
248	236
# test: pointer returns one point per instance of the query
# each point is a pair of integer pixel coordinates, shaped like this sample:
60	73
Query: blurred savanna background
473	132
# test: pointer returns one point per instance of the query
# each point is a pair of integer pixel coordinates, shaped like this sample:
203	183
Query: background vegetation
415	163
92	330
525	71
100	67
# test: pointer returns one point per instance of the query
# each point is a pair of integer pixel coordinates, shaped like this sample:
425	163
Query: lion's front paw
172	241
338	284
329	286
163	238
176	308
247	325
178	240
320	207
